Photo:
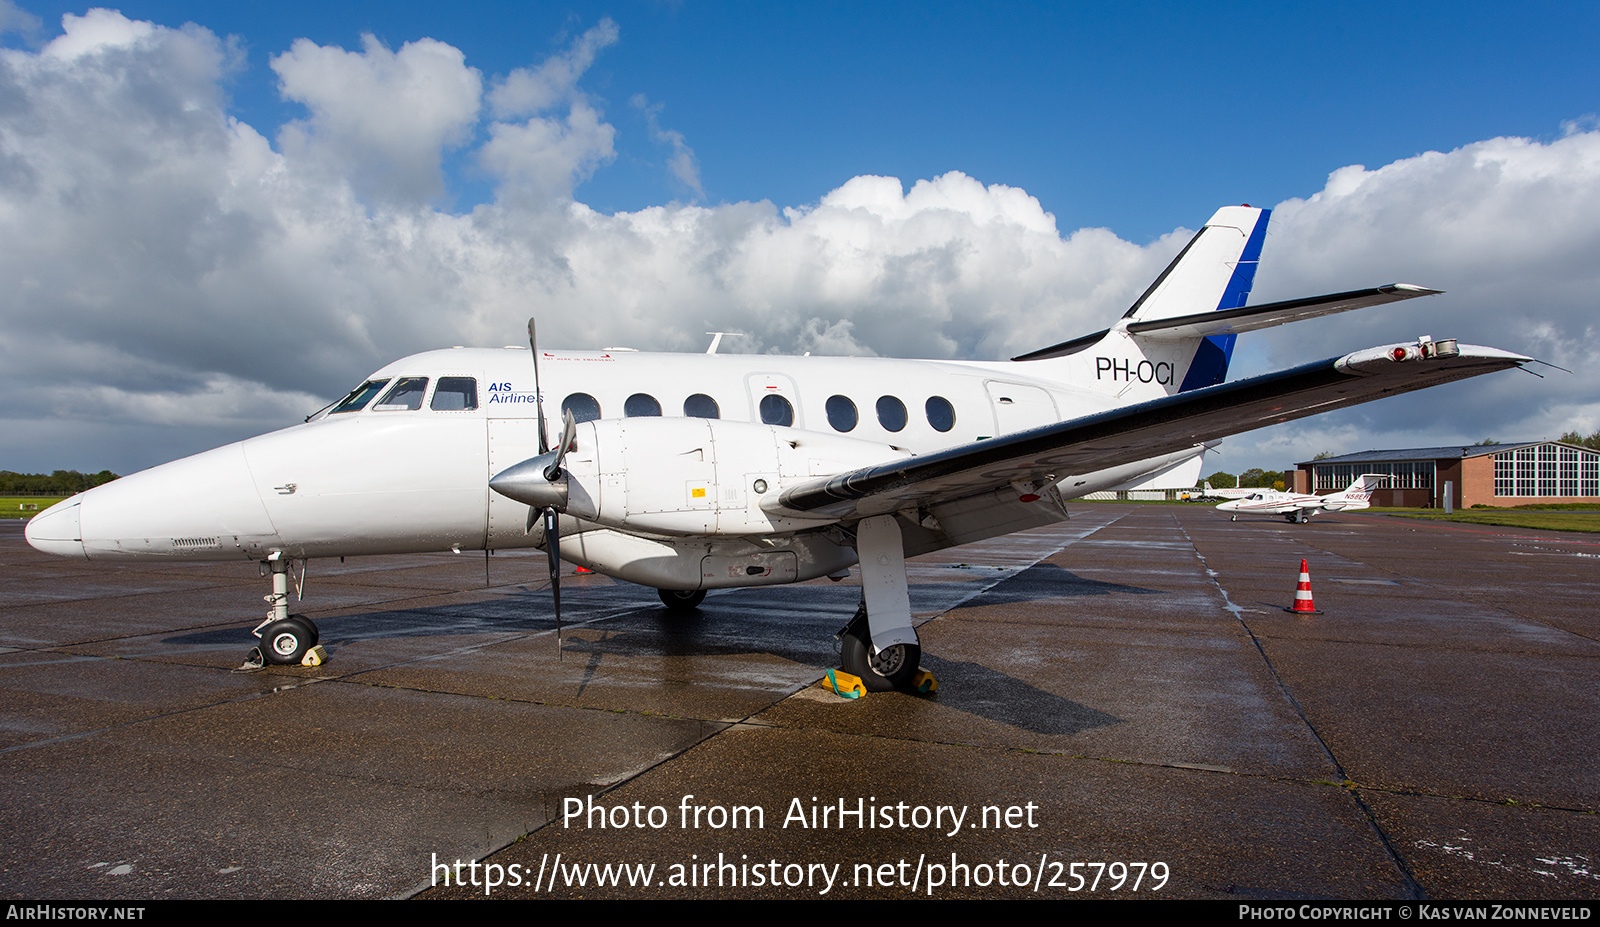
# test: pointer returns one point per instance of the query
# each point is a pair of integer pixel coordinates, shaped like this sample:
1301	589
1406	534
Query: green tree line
1572	437
1254	478
61	482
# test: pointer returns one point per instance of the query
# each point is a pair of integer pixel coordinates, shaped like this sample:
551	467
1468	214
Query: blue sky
1136	118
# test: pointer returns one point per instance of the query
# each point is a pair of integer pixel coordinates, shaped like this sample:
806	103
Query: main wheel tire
310	626
681	600
881	671
284	642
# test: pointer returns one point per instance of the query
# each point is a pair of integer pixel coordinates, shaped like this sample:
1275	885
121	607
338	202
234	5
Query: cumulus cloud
380	119
541	158
167	263
681	162
1508	228
16	19
528	91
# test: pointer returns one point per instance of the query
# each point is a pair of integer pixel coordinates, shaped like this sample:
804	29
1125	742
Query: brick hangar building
1532	472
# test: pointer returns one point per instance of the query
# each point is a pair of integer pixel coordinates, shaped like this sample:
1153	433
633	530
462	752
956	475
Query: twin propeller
541	484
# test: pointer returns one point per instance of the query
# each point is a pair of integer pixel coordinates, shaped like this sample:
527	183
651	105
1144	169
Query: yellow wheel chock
843	683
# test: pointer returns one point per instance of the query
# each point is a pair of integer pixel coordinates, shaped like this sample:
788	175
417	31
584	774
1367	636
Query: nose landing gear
286	640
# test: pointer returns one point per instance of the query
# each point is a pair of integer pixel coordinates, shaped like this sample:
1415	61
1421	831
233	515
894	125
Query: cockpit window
455	394
359	397
404	396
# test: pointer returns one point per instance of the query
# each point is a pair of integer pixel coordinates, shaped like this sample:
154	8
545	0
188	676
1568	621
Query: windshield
359	397
405	397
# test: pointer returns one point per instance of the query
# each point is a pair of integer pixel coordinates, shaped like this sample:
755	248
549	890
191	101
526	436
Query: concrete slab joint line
1412	886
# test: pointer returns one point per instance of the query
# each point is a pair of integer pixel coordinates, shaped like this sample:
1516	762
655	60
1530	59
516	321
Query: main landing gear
893	667
285	638
879	645
679	600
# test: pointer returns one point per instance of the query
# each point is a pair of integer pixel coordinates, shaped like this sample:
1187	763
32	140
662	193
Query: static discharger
1302	594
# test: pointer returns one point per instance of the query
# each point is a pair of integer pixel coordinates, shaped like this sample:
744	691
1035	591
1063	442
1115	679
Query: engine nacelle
701	477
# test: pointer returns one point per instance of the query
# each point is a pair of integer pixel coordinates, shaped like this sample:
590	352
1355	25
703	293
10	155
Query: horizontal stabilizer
1242	319
1266	315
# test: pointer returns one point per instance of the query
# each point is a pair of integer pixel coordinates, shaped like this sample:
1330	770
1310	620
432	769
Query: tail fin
1214	271
1361	489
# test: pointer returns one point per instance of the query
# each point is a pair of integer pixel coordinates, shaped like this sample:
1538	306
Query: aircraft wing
1119	437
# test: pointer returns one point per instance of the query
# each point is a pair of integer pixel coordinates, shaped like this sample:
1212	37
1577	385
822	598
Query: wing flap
1159	431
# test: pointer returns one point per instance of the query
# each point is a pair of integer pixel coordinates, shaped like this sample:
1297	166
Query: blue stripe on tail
1210	364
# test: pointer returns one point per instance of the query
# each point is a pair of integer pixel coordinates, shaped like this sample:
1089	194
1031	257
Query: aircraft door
511	441
774	400
1018	407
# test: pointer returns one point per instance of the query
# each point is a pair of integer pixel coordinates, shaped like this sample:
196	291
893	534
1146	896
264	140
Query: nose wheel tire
880	670
286	641
679	600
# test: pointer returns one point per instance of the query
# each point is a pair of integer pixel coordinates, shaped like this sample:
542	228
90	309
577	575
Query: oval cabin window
701	406
842	413
641	405
891	413
776	410
584	408
941	414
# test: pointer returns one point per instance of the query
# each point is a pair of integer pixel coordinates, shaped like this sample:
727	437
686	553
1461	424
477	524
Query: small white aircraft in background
689	472
1210	492
1299	507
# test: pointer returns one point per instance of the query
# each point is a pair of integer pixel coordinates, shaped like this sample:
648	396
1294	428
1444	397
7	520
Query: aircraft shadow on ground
1048	581
795	624
987	693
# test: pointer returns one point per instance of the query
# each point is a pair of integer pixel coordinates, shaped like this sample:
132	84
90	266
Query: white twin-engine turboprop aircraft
689	472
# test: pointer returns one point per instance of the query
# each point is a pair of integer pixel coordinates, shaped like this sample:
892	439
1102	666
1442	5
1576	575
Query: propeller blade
552	549
538	393
569	431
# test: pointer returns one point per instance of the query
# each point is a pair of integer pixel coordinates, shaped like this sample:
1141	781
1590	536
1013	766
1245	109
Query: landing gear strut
285	638
879	644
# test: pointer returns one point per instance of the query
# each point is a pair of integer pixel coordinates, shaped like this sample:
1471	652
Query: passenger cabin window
701	406
584	408
941	414
776	410
359	397
842	413
455	394
891	413
405	396
641	405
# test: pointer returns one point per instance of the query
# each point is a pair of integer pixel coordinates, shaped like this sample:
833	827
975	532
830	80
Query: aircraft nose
56	530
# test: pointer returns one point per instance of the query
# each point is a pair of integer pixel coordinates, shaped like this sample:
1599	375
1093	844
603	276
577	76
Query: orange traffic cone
1302	594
